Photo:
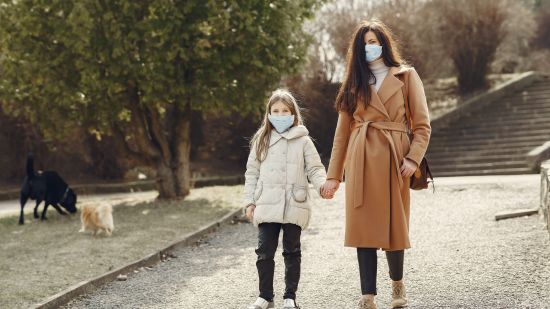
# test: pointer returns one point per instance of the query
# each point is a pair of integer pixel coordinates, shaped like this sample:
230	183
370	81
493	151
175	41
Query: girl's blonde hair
260	140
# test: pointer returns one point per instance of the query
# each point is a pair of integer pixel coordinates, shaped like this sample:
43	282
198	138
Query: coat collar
389	87
294	132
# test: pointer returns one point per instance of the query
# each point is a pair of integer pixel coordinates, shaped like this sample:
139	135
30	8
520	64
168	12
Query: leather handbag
419	180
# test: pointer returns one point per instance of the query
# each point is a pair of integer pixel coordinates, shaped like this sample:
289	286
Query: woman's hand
329	188
408	168
250	211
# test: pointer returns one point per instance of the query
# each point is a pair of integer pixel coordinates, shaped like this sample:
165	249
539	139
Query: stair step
499	142
521	109
530	94
474	133
542	87
480	166
509	117
503	171
475	157
466	149
484	152
514	117
518	109
496	122
492	135
467	126
531	97
522	101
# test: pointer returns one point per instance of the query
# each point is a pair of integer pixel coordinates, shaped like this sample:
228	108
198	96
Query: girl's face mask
281	123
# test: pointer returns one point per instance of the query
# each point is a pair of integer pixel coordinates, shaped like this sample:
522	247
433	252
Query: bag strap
404	90
410	127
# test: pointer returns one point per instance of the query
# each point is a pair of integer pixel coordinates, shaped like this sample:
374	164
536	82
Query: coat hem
377	247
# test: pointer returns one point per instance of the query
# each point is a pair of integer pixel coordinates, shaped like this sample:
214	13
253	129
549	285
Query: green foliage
66	63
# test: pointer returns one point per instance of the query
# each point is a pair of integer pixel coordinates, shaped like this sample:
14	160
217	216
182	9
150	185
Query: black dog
48	187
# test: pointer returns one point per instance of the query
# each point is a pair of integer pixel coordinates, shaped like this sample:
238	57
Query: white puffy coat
278	186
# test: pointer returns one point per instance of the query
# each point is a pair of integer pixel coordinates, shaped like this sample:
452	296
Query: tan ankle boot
399	297
367	303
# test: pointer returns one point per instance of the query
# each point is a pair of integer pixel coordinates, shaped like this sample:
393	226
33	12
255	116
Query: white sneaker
261	304
290	304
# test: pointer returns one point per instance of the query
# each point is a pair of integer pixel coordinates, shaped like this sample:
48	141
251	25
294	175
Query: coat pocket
299	193
258	191
299	196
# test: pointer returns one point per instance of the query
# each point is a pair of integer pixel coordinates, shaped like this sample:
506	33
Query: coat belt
359	151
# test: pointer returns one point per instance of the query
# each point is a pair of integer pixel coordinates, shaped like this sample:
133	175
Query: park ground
461	257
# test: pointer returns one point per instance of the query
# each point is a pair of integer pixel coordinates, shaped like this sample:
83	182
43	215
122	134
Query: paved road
461	258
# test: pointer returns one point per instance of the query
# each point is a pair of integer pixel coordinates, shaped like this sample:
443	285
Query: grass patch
40	259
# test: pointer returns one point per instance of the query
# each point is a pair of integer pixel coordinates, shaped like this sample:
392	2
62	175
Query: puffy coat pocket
299	193
299	197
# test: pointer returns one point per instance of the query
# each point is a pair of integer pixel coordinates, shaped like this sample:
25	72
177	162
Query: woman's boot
399	297
367	302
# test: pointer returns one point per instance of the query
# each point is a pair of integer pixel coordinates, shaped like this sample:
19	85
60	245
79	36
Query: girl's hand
250	211
408	168
329	188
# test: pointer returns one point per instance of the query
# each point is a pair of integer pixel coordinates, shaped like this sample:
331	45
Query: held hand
250	211
329	188
408	168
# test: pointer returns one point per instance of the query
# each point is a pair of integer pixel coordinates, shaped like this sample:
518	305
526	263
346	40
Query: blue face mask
373	52
281	123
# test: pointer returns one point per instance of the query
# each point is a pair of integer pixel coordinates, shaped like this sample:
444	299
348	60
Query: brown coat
367	146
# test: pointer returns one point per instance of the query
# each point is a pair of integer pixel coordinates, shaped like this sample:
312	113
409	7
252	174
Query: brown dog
97	218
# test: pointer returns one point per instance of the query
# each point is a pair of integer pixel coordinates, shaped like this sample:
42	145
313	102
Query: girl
281	160
371	141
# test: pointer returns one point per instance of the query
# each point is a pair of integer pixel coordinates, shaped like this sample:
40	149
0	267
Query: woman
372	144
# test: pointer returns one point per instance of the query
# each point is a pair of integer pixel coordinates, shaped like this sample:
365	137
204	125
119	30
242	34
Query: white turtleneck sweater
380	70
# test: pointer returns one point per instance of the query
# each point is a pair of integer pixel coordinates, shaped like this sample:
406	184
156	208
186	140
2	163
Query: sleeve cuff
414	159
332	175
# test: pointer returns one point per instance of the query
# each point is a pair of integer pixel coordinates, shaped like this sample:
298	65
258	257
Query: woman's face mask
373	52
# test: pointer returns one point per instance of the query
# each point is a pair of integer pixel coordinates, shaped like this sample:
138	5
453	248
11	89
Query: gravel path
461	258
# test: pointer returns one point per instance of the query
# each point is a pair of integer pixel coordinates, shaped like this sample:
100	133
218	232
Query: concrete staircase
494	135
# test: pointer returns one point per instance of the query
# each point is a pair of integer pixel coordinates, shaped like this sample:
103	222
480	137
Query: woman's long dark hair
355	86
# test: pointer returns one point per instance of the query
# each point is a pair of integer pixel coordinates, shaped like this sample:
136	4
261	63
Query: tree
470	31
137	69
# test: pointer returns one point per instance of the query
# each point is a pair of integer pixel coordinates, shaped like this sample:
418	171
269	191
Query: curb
144	185
545	193
85	287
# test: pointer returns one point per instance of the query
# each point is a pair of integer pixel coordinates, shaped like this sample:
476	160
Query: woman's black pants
368	265
268	239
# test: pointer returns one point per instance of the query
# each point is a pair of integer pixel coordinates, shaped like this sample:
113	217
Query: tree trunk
174	176
163	142
166	181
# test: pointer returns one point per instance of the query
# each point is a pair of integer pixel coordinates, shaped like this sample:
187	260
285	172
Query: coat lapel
376	103
390	85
